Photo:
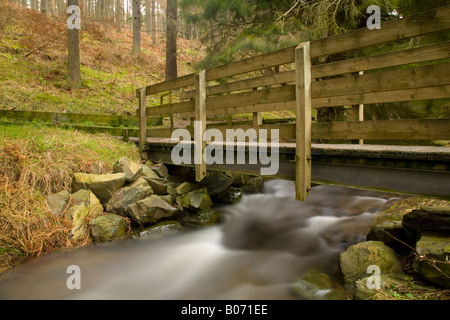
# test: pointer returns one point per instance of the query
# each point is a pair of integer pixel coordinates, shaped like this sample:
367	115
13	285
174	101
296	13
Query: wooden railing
119	126
302	82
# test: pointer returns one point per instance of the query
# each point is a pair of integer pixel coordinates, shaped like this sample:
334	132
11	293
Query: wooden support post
143	124
358	115
303	127
200	125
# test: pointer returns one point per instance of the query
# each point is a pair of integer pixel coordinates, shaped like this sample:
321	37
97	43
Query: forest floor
35	79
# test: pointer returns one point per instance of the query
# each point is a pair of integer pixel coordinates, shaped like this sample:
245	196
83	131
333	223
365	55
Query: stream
265	244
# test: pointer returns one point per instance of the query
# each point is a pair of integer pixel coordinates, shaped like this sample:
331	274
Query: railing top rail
432	21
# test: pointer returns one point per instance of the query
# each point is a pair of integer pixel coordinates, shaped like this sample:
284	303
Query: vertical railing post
358	115
303	126
143	123
200	125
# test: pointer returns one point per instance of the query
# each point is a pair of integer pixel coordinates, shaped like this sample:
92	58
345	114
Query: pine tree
171	40
73	53
136	27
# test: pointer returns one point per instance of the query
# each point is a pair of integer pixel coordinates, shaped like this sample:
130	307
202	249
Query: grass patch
36	161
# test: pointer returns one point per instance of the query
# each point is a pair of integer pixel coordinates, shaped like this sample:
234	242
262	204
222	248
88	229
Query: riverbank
37	162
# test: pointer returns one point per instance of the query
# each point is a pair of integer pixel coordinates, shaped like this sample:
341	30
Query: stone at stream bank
57	202
151	210
422	234
126	196
132	170
144	198
357	258
108	228
102	185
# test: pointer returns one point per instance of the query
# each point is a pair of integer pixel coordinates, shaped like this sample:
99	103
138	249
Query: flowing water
264	246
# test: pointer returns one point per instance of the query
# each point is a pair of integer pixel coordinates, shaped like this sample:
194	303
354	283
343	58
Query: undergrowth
34	162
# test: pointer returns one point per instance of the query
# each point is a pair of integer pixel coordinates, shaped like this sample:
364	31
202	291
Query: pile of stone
422	239
143	200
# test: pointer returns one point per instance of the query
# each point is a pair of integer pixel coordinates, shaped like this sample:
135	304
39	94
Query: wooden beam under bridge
422	171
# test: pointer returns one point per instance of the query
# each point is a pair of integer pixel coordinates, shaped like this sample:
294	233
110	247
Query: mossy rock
432	264
316	285
357	258
108	228
197	199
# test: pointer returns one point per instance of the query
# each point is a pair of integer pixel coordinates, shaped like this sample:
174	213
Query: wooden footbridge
350	70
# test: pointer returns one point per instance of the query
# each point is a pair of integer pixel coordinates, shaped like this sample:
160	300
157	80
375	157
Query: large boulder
108	228
126	196
201	218
232	195
88	197
102	185
432	263
253	185
85	206
434	219
131	169
159	168
151	210
316	285
160	229
357	258
185	187
77	216
58	203
197	199
216	182
392	234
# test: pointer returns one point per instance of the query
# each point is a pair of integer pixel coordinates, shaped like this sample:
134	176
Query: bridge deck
407	169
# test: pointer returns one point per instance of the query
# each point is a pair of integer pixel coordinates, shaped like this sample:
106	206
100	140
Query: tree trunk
73	53
119	16
171	40
153	22
136	27
44	7
147	17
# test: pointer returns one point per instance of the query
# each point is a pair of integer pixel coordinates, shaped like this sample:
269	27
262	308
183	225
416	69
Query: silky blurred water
265	244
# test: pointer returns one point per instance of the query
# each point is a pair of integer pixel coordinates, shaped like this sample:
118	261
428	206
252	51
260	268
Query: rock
88	197
185	187
160	229
57	202
197	199
126	196
232	195
386	231
108	228
151	210
315	285
357	258
435	219
160	186
159	168
387	282
86	205
253	185
77	215
102	185
201	218
216	182
148	173
131	169
433	261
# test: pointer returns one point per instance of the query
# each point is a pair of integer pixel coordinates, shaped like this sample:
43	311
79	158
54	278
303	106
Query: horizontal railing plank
427	76
408	130
417	94
432	21
385	60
